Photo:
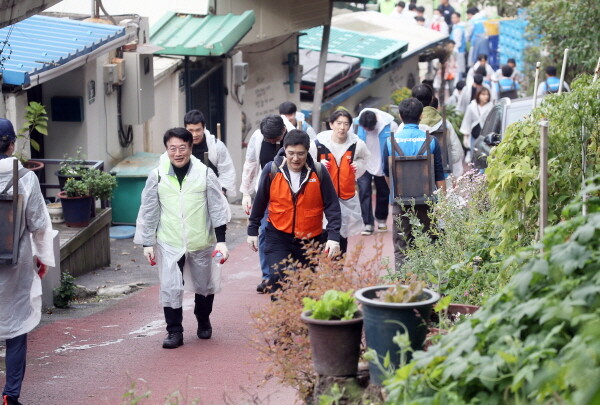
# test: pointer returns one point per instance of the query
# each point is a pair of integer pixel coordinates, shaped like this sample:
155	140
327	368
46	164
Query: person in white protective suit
219	159
262	149
20	283
291	116
182	211
344	156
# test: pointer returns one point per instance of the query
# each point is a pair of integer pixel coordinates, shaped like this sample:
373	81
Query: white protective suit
352	222
20	285
219	156
212	210
251	169
305	126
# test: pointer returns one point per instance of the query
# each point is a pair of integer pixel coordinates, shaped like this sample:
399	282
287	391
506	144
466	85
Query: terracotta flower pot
335	345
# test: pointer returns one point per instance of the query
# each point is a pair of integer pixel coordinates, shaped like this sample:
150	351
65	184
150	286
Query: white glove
221	247
253	242
326	163
149	254
332	248
247	203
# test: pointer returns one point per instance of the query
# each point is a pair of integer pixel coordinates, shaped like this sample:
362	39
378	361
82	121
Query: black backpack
412	176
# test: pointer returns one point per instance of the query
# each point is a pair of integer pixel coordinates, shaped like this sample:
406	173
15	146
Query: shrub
461	261
282	337
536	341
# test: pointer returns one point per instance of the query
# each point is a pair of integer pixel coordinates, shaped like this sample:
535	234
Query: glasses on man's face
342	124
299	155
174	149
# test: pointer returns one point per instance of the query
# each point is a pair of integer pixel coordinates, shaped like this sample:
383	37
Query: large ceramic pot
335	345
76	210
383	320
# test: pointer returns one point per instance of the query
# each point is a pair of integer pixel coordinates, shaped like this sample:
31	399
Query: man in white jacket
20	283
374	127
291	117
262	149
219	159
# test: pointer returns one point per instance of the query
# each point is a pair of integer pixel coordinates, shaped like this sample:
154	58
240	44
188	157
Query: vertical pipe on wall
318	98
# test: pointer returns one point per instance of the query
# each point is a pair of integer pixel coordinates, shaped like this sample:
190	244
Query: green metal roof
193	35
374	51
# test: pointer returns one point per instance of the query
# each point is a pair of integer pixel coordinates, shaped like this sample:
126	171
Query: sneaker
204	330
262	287
381	227
173	340
367	230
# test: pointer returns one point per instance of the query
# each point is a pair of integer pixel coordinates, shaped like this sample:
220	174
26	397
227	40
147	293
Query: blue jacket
410	140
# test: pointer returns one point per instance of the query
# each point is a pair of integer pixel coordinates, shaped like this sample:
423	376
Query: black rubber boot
174	319
202	310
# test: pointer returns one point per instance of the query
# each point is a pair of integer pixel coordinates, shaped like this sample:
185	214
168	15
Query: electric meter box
137	96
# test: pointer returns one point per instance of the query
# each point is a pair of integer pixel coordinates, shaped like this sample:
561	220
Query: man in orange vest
297	192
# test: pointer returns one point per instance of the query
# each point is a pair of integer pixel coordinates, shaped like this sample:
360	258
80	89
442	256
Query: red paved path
93	360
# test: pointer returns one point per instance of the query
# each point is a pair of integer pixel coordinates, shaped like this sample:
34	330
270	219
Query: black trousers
402	235
203	306
280	246
365	191
16	353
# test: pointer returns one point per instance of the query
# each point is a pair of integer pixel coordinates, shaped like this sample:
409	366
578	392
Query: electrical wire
125	136
274	46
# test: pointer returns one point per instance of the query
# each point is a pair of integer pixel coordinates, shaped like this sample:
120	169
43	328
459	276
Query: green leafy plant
73	166
36	119
462	260
513	167
400	94
536	341
411	291
100	184
76	188
64	293
333	305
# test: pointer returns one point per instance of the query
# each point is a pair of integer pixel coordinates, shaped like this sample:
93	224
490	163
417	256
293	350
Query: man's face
291	118
179	152
340	126
278	139
197	131
295	156
454	18
512	65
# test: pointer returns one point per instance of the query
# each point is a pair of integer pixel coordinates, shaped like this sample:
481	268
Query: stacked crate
513	40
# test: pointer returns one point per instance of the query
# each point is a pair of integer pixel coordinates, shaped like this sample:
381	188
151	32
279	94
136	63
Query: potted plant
392	309
335	331
71	167
36	119
100	185
76	201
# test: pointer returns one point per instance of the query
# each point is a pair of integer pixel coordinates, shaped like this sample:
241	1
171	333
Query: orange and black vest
300	214
342	176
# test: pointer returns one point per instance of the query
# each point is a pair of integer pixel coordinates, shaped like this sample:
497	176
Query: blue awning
39	44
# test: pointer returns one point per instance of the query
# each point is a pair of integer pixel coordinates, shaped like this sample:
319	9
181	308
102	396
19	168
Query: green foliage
76	188
73	166
333	305
536	341
513	166
400	94
461	262
100	183
36	119
64	293
412	291
564	24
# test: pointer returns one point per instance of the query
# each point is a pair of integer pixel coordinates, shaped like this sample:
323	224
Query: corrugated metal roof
42	43
193	35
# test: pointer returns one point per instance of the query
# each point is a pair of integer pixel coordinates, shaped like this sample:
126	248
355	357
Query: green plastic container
131	174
